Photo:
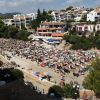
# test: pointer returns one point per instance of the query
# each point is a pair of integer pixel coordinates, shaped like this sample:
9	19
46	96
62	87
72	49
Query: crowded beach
59	60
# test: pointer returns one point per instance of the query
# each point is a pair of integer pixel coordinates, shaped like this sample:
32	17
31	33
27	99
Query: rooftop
21	16
57	35
49	28
97	10
52	23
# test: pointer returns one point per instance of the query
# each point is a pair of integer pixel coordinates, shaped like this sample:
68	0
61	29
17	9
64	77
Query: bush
68	91
57	90
17	74
92	81
13	32
83	42
97	43
10	75
23	35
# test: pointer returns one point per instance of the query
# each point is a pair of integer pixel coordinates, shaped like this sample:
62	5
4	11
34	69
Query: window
98	13
86	28
96	18
27	18
44	30
98	26
22	20
12	20
80	28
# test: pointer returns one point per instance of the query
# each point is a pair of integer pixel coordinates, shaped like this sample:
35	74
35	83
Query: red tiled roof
49	28
52	23
41	28
57	35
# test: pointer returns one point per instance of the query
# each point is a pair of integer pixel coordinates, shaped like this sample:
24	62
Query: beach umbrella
36	73
41	74
42	65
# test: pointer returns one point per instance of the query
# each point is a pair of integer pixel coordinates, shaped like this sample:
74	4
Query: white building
78	18
8	21
94	15
51	29
23	19
32	15
85	27
79	14
97	27
20	20
60	16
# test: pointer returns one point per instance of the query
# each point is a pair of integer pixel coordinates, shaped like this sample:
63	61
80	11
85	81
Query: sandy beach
28	67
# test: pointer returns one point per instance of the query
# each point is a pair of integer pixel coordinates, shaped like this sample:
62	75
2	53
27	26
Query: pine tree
92	81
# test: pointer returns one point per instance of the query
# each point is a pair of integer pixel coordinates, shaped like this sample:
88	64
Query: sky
28	6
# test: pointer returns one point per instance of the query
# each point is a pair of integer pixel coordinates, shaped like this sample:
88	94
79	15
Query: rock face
1	63
2	83
64	45
3	60
87	94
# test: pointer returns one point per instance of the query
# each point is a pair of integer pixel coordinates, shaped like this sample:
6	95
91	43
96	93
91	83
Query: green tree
70	91
3	31
1	23
41	16
44	15
68	25
92	81
12	31
69	8
34	24
73	31
17	74
84	18
23	35
82	42
50	11
97	33
57	90
67	91
97	43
